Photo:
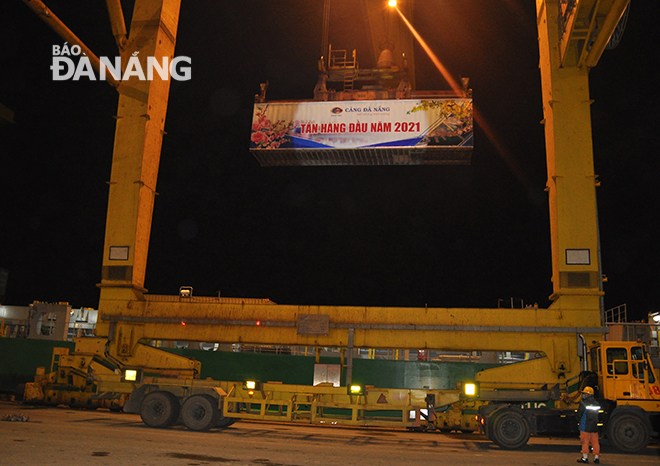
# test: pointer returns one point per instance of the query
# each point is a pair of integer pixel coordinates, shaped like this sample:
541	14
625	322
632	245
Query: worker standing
587	415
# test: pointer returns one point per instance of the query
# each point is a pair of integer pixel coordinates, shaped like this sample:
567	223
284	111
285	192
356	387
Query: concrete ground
64	436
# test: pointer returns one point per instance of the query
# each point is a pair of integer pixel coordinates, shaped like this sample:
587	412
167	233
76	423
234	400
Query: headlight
251	385
356	389
131	375
470	389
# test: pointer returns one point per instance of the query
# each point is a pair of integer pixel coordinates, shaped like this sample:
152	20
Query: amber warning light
471	389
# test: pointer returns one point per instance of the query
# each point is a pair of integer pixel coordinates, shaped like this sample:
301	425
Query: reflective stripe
595	408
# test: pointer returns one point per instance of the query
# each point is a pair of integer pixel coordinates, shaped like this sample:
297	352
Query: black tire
628	432
509	429
159	409
224	422
200	412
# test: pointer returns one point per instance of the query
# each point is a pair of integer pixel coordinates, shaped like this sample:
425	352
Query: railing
339	59
616	314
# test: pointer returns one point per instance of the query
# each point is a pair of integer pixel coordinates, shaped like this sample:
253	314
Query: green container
21	357
221	365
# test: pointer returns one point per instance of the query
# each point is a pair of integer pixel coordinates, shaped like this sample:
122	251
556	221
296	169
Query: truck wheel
159	409
628	432
200	412
510	429
225	421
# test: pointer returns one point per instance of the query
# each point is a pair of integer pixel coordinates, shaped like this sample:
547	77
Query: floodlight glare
392	3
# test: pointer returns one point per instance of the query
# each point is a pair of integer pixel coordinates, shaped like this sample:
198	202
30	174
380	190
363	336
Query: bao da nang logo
64	66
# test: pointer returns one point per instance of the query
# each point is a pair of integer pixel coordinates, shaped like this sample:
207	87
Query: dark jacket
587	415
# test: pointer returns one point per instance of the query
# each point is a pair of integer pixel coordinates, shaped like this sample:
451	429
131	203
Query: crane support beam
571	181
211	319
41	10
117	22
136	156
585	28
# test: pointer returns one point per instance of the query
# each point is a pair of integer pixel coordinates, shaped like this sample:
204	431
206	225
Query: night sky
452	236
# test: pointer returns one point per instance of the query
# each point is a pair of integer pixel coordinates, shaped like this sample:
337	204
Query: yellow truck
508	403
625	384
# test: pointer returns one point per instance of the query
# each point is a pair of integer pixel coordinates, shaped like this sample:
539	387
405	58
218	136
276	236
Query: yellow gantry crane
572	37
130	315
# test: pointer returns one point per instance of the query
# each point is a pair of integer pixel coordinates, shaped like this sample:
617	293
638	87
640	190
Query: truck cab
625	372
626	384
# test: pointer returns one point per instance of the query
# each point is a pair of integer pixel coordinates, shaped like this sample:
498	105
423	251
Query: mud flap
133	403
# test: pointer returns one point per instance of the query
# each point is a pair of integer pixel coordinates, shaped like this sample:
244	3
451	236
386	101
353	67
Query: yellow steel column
138	139
571	181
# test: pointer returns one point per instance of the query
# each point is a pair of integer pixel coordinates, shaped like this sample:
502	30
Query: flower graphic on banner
267	134
456	120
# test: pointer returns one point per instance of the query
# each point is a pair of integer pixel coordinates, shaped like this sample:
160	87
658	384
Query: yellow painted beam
553	332
117	22
571	181
138	138
585	28
65	33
